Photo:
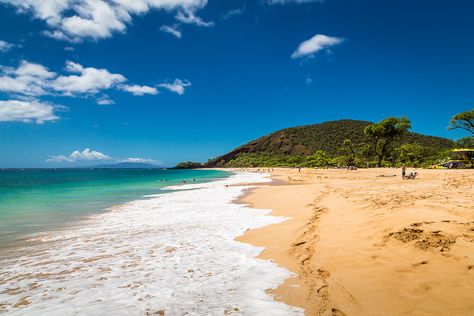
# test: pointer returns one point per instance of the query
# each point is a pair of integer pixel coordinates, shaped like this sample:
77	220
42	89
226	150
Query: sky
87	82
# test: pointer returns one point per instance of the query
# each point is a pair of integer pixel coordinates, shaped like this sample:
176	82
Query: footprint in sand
324	273
420	263
422	289
323	289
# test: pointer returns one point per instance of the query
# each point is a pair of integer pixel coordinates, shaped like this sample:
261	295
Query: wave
174	253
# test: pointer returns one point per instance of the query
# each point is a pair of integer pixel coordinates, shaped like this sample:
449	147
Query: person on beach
404	171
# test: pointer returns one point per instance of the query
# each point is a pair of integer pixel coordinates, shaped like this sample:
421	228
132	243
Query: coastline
55	215
365	242
170	254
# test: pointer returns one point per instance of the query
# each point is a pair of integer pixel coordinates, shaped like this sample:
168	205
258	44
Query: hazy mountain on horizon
126	165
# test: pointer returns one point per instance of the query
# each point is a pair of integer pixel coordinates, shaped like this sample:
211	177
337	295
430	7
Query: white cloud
188	17
31	79
92	155
89	80
138	90
27	69
28	79
85	155
5	46
171	30
178	86
26	111
233	12
141	160
315	44
105	100
75	20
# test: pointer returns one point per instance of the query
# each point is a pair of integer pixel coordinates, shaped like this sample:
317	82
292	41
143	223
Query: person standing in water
404	171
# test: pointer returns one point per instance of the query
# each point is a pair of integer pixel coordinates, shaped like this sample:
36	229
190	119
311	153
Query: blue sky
172	80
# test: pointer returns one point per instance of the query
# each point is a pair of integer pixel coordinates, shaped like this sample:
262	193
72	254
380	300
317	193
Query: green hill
303	141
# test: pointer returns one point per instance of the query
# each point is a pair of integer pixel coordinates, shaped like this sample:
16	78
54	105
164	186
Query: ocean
34	200
132	242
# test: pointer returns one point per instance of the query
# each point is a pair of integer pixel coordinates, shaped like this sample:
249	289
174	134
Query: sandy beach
366	242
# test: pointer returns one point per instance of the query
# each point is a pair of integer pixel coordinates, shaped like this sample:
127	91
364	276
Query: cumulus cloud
88	80
28	79
31	79
92	155
138	90
28	69
315	44
177	86
173	30
5	46
75	20
28	111
85	155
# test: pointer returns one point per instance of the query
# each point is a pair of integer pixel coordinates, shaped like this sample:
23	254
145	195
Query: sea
132	242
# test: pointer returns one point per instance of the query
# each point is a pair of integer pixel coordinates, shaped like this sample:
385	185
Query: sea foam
172	253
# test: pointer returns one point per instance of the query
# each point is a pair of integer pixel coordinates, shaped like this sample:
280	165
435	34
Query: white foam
174	252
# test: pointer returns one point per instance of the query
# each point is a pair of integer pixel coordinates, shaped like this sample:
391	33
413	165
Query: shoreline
292	290
364	242
9	246
174	254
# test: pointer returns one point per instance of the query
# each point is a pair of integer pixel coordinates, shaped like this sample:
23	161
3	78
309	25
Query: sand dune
366	242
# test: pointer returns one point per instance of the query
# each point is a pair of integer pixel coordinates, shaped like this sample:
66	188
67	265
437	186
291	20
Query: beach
367	242
260	242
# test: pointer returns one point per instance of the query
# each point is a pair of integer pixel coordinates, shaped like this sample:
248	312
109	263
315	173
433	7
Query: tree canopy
466	142
464	120
383	133
189	165
348	153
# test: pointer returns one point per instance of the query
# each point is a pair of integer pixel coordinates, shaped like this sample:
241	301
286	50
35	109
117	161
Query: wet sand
366	242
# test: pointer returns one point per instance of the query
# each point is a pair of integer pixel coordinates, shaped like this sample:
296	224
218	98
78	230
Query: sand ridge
366	242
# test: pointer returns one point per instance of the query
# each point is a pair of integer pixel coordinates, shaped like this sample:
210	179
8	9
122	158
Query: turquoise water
43	199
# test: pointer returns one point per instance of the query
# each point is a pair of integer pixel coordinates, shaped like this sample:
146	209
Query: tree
412	153
464	120
348	153
466	142
319	159
382	134
366	153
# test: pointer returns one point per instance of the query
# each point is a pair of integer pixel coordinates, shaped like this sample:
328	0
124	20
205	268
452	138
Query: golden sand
366	242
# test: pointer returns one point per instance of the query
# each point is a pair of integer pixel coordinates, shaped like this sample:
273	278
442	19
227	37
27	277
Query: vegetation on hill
189	165
339	143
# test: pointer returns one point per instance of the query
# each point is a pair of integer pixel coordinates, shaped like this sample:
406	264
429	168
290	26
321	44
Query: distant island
126	165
